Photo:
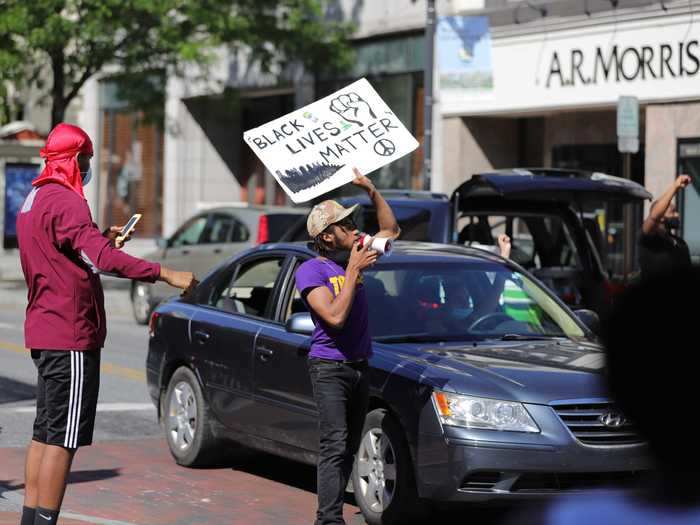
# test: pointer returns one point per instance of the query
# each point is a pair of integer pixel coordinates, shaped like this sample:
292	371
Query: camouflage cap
324	214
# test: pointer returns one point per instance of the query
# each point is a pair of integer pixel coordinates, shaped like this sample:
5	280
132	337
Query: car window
249	290
537	241
225	228
190	233
446	301
278	224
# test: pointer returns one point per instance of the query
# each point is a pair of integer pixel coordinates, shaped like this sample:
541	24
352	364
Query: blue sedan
484	386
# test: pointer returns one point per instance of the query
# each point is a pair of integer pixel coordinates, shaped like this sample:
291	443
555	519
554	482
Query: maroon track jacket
62	253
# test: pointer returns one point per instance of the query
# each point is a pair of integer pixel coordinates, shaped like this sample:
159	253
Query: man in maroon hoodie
62	254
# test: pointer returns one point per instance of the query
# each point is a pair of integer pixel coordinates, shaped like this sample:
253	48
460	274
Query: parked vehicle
545	212
205	240
422	216
484	385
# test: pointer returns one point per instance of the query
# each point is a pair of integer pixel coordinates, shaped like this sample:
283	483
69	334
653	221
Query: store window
689	201
394	67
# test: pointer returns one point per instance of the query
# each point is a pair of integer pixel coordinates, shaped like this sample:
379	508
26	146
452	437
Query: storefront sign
620	65
312	150
655	59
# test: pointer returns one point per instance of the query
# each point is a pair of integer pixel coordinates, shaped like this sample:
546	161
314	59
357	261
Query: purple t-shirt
353	341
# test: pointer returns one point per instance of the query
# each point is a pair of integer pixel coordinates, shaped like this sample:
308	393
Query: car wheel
383	479
187	421
141	302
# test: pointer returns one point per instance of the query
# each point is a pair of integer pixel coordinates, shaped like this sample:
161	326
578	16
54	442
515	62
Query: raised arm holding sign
311	151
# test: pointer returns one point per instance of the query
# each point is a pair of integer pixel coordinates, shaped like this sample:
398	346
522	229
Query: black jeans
341	392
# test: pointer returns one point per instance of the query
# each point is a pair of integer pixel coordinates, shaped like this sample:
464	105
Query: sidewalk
138	483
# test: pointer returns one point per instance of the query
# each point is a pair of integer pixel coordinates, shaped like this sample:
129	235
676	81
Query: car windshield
461	301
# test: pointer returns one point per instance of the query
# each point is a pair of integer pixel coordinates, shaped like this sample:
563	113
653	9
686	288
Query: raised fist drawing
352	108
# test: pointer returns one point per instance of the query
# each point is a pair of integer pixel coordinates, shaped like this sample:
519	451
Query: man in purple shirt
62	254
341	342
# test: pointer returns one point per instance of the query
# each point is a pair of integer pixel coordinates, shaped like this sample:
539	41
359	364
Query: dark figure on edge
62	254
331	286
652	366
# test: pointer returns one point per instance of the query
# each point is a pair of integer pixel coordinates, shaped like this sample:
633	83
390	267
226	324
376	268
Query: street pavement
128	476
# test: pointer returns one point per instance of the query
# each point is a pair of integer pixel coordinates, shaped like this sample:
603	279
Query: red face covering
61	153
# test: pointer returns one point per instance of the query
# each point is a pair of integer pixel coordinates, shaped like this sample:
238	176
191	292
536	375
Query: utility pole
428	90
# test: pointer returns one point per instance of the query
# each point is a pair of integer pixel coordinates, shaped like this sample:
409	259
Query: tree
71	40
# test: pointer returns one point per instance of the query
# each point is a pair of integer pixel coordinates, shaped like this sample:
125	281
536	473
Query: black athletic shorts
66	397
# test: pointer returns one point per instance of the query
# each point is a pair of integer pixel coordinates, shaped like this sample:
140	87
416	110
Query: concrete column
172	155
88	118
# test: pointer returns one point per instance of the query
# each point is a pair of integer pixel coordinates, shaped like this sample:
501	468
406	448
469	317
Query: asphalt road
125	410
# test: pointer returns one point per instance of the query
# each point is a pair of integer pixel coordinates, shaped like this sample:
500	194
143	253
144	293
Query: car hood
528	371
524	185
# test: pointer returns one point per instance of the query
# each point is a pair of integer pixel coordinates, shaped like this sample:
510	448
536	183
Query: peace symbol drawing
385	148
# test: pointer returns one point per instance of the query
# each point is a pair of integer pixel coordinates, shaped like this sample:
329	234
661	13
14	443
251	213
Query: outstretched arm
388	227
658	208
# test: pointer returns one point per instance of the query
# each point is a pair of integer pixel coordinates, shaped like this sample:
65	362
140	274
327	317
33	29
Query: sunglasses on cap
347	224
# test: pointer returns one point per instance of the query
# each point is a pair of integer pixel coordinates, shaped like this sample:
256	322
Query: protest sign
312	150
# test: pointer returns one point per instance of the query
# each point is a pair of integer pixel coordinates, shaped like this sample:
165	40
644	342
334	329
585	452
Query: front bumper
456	464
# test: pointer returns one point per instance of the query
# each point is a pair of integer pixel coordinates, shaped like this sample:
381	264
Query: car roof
424	199
546	184
407	251
256	210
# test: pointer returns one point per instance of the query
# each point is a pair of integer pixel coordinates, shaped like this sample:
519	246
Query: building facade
559	68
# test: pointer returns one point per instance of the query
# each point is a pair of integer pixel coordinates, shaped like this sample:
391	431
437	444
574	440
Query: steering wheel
490	315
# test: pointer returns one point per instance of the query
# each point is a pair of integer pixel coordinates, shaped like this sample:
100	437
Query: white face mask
86	175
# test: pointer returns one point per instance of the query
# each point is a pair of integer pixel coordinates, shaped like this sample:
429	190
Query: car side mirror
162	243
300	323
590	319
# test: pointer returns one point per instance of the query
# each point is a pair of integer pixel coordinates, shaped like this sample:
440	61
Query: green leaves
74	39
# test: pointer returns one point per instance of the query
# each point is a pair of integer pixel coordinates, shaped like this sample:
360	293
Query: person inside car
341	343
661	250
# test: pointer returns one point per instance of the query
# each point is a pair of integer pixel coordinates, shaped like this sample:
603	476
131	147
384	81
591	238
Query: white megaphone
382	245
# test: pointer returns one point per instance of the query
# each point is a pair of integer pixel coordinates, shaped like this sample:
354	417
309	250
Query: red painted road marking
138	482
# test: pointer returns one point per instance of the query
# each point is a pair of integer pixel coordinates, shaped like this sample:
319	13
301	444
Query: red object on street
263	230
152	323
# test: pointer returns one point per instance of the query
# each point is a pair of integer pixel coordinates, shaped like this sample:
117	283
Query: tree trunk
58	101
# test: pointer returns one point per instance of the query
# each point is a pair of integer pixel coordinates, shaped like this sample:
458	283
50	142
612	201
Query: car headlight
477	412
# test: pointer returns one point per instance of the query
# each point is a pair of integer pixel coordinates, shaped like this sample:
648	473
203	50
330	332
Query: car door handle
185	252
265	353
217	250
201	336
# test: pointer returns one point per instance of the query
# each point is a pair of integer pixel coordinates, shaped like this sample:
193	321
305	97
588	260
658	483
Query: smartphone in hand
128	227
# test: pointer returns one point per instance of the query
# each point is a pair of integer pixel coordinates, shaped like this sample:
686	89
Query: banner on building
463	46
312	150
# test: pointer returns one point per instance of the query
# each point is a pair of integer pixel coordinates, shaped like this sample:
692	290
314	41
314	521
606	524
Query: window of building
689	201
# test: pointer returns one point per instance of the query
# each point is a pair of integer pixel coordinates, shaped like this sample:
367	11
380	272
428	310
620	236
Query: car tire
141	302
383	463
187	421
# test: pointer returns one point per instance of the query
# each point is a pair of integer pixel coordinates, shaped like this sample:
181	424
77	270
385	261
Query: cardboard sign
312	150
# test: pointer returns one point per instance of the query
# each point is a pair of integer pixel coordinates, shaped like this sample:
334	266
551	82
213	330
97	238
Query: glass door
689	164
